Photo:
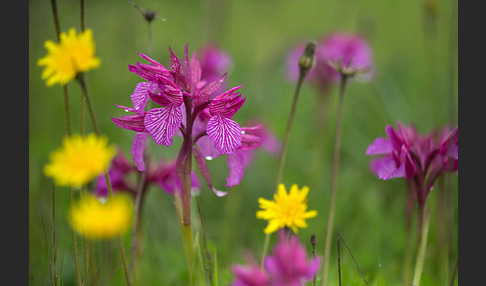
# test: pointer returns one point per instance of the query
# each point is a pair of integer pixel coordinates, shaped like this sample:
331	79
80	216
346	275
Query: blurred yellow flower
80	159
102	218
286	210
74	54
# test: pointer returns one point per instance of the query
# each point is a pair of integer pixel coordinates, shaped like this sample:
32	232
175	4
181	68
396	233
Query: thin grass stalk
48	253
120	242
208	269
339	259
419	263
57	27
454	272
136	229
352	256
84	91
54	252
75	244
334	178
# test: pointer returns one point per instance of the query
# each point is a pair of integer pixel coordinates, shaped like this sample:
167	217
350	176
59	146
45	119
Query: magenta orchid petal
236	169
225	134
249	275
207	149
207	90
150	72
134	122
227	103
379	146
138	149
171	91
162	123
387	168
204	169
141	95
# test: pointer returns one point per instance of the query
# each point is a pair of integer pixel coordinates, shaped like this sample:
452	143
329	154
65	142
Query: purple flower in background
163	175
119	168
421	159
214	63
286	266
347	53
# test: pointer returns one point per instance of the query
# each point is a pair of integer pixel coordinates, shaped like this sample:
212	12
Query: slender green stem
334	179
454	273
186	234
283	152
75	244
265	248
208	267
85	93
120	242
136	230
149	38
339	259
419	263
352	256
81	2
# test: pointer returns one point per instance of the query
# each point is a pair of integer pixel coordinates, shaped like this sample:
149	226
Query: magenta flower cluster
287	265
420	159
187	104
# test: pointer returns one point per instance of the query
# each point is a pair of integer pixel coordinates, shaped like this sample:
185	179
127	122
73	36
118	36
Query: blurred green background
415	51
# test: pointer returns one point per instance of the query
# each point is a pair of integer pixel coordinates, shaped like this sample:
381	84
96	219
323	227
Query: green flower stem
305	63
68	131
186	234
283	152
120	242
419	264
265	248
75	244
334	179
136	229
85	93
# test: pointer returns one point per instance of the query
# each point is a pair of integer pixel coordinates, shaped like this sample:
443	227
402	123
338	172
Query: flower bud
306	60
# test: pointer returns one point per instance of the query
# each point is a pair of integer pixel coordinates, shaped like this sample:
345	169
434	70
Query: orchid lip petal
162	123
225	134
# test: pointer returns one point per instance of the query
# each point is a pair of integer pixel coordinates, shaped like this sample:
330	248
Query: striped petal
162	123
138	148
141	95
225	134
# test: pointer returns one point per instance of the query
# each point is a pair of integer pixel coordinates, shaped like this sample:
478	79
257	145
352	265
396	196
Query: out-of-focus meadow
414	44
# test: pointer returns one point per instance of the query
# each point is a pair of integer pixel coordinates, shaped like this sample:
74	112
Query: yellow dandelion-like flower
286	210
74	54
102	218
79	160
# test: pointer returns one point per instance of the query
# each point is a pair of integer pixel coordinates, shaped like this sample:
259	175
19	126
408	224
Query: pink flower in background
288	265
347	53
214	63
163	175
